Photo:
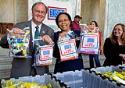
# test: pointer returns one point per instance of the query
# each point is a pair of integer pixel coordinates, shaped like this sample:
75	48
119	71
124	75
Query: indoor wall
93	10
13	11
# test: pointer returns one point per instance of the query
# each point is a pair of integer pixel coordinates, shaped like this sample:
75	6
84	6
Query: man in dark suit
24	66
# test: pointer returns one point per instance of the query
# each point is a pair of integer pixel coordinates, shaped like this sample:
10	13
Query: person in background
63	21
75	26
23	66
114	46
93	28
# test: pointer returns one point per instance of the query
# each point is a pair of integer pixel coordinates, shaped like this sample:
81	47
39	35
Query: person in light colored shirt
93	28
24	66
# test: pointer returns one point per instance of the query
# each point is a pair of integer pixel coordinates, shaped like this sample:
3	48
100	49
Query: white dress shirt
34	29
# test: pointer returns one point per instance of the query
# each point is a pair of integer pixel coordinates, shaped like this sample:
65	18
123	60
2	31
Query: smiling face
118	31
64	22
92	25
38	13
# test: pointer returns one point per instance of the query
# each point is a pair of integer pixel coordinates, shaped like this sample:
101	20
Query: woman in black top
114	46
63	21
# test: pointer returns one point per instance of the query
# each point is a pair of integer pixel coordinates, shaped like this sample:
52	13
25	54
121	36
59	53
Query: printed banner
68	50
90	43
54	11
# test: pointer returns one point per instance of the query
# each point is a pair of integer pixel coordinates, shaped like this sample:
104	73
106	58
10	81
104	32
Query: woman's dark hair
113	38
57	17
96	24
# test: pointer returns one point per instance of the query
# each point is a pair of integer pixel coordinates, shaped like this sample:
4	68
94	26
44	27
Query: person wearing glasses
24	66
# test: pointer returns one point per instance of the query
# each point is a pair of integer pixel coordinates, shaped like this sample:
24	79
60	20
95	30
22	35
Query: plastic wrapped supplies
85	79
113	73
44	81
89	43
43	53
19	44
68	50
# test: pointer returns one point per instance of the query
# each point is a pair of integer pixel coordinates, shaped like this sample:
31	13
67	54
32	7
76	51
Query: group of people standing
92	27
24	66
113	46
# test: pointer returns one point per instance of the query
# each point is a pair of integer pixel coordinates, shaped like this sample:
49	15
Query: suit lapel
42	30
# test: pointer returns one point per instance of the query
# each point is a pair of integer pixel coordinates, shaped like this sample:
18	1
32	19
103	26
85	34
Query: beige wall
102	14
21	10
7	11
13	11
93	10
